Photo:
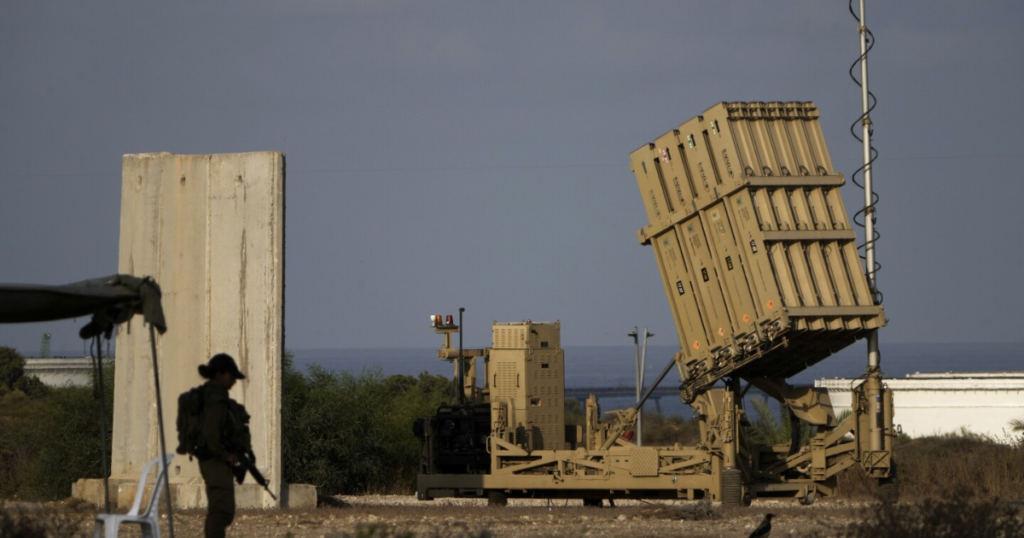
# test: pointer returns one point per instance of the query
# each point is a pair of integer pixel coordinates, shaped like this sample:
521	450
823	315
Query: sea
613	367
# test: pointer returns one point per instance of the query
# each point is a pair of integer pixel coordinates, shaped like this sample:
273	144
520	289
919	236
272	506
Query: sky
476	154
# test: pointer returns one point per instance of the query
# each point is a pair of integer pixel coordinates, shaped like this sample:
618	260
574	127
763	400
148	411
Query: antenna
873	382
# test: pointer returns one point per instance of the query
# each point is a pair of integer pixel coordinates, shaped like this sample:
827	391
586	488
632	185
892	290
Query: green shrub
575	414
31	386
770	429
343	432
48	442
12	366
347	433
666	430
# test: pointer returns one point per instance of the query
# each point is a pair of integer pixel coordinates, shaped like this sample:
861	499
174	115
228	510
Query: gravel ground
385	516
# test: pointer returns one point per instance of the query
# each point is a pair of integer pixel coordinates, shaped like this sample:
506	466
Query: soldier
221	422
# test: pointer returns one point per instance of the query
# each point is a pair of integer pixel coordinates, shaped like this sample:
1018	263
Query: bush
575	414
31	386
953	518
12	375
48	442
666	430
964	464
343	432
12	366
767	428
348	433
71	522
15	524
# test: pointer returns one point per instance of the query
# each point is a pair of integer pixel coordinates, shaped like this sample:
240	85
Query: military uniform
218	423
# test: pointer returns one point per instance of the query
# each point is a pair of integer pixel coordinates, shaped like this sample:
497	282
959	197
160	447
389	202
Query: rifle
246	463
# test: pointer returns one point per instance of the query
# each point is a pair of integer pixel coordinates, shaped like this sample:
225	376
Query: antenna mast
870	266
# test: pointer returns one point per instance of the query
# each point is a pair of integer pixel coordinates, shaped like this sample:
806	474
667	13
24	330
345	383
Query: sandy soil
382	516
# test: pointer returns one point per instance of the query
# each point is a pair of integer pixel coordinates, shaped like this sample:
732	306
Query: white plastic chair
148	520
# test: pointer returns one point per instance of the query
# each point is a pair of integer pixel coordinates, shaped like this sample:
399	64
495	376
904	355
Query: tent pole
163	443
97	361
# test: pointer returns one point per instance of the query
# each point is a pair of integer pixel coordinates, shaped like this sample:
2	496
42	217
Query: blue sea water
613	366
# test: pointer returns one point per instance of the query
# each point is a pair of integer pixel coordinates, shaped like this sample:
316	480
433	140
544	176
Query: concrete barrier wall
210	230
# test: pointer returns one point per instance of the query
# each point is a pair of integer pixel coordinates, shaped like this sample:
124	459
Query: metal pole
637	369
163	443
869	210
651	389
874	357
462	366
643	371
97	356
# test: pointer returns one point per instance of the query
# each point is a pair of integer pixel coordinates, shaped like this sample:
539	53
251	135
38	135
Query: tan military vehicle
763	277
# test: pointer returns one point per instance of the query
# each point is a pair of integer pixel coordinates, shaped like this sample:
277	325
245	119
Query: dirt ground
385	516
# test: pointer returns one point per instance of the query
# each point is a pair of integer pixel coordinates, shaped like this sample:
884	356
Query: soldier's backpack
190	421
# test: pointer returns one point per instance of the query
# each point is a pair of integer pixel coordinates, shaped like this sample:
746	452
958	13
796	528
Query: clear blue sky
445	154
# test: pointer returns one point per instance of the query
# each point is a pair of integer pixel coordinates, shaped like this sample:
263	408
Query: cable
860	218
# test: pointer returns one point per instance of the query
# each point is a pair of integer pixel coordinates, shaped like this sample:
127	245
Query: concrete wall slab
210	230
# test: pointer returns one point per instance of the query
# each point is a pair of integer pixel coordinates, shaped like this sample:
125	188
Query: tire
732	487
888	491
809	499
496	497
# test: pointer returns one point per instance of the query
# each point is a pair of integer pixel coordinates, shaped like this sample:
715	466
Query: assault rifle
245	462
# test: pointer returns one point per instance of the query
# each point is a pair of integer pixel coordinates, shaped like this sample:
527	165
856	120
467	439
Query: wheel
732	487
809	499
496	497
889	488
593	503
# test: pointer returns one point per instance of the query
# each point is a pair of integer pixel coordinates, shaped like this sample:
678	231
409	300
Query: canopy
111	300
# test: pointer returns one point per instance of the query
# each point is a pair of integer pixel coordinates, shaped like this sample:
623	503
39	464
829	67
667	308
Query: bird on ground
764	529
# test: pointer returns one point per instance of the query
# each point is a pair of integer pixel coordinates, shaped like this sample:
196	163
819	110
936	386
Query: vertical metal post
639	384
97	357
729	440
643	376
462	366
869	221
163	442
873	383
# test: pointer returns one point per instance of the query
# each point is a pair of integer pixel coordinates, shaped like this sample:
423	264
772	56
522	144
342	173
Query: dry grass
933	518
962	466
67	519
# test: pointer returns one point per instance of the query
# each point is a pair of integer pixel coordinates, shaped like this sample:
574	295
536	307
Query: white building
62	372
935	404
